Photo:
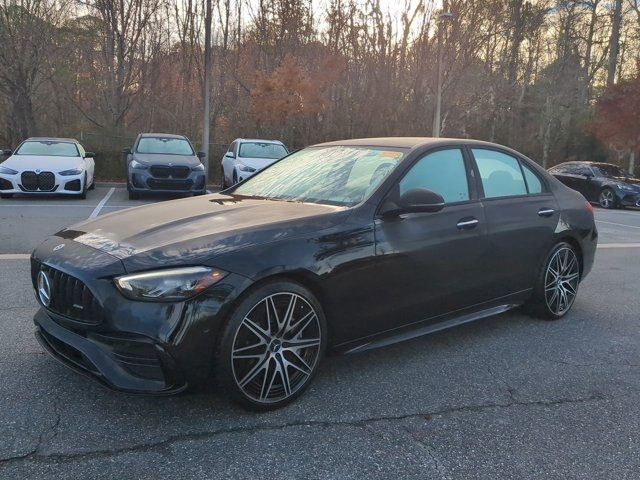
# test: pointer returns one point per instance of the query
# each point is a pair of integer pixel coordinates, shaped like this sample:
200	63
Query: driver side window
442	172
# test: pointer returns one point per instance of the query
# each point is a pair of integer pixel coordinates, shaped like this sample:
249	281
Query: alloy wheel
276	348
561	281
606	199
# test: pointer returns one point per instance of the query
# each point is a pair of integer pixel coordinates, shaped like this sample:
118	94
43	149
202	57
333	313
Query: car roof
162	135
258	140
52	139
406	142
580	162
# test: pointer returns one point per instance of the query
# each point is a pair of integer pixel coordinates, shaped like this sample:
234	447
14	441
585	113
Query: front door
430	264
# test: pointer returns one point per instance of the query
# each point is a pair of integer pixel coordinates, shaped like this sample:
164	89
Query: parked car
245	157
347	245
164	163
608	185
47	165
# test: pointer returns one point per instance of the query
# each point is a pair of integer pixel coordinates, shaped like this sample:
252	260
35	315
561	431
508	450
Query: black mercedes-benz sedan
603	183
345	246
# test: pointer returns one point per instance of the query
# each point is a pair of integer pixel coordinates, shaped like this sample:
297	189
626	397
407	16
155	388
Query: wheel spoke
295	329
305	368
254	371
267	382
284	375
297	344
256	330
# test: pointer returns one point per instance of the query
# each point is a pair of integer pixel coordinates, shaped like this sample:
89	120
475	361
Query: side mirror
89	155
126	151
416	200
7	153
230	155
201	155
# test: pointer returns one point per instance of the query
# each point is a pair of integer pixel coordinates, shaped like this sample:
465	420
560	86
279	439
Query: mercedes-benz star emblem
44	288
58	247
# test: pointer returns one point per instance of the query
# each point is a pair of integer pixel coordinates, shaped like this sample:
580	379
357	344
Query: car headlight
138	165
245	168
8	171
198	168
73	171
170	285
626	188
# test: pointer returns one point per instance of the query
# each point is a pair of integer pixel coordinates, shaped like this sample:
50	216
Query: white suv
247	156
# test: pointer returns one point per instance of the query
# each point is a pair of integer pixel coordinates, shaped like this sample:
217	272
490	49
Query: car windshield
612	171
261	150
49	148
343	176
164	145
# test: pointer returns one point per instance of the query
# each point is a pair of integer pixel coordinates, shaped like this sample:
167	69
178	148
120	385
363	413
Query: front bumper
141	181
125	363
630	199
65	185
132	346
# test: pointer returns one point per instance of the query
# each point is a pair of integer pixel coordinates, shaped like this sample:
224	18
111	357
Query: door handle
546	212
467	223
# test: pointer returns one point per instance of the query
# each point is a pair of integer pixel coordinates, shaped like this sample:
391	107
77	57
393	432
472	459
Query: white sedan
248	156
47	165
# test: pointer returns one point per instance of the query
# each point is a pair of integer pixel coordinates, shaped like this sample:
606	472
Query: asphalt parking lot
506	397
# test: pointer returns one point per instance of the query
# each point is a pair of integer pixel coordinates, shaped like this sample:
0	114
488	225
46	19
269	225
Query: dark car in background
347	246
164	163
608	185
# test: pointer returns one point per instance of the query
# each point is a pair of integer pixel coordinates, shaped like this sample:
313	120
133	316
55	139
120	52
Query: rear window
48	148
262	150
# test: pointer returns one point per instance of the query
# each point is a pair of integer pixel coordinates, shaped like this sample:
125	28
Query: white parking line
619	245
96	211
618	224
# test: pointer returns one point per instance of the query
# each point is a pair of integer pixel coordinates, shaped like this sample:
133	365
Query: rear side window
442	172
534	184
500	174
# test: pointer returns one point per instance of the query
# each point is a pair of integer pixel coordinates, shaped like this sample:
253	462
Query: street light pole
443	17
206	117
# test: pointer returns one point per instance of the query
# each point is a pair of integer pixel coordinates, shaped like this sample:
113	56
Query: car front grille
69	296
43	181
174	185
165	171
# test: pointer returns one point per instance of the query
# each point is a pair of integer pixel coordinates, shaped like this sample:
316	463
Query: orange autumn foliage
291	90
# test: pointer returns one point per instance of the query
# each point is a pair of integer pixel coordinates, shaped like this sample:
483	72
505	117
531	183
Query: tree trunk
614	42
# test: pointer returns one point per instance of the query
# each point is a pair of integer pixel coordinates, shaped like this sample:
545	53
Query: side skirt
407	333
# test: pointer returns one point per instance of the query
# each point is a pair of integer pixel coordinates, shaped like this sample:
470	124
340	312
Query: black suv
608	185
164	163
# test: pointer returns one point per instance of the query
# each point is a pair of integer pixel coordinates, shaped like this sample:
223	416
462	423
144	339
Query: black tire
93	185
82	195
197	194
224	185
543	304
6	195
262	375
608	198
133	195
235	177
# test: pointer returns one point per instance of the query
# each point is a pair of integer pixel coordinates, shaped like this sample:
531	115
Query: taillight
589	207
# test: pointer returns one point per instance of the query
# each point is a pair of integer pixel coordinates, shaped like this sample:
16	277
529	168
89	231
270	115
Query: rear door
521	215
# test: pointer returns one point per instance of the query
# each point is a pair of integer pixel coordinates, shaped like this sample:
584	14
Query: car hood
43	163
160	159
257	163
193	230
